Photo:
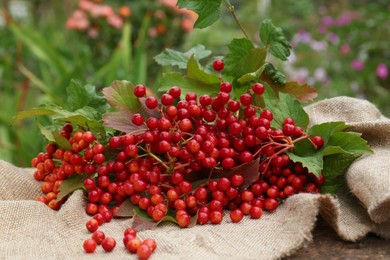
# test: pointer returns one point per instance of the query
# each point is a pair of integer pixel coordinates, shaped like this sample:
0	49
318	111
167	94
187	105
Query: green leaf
310	158
312	161
209	11
273	38
38	111
69	185
46	133
325	130
80	96
243	58
171	57
251	77
350	142
334	167
61	141
196	80
120	95
195	73
284	106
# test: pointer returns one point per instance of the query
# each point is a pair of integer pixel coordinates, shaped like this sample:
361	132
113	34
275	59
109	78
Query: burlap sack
31	230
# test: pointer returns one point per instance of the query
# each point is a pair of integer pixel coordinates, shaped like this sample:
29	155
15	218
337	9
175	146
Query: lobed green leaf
69	185
171	57
209	11
273	38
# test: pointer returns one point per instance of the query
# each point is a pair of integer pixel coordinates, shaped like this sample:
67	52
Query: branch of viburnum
155	157
231	9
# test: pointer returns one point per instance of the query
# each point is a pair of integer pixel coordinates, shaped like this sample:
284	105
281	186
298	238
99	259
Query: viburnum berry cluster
200	157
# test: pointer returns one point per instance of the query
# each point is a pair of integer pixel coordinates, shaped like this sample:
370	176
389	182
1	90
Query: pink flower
85	5
115	21
382	71
345	49
357	65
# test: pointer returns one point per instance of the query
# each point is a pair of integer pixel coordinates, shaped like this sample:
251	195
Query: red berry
317	141
133	244
98	236
256	212
151	102
138	119
258	88
246	99
218	65
236	215
92	225
225	87
144	252
139	91
175	92
89	245
108	244
151	243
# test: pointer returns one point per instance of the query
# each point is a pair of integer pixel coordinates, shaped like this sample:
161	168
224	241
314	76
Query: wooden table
327	244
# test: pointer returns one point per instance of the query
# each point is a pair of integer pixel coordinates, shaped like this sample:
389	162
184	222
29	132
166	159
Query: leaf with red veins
303	92
121	121
250	172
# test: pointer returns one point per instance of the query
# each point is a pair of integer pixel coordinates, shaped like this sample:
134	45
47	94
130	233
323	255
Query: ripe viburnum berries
191	158
218	65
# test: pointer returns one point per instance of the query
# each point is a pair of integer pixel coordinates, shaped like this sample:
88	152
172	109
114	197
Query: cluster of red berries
188	160
134	245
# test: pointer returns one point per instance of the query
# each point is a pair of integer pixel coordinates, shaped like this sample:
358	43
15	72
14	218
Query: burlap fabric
29	229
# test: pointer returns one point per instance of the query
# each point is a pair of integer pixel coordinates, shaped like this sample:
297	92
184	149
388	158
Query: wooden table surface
327	244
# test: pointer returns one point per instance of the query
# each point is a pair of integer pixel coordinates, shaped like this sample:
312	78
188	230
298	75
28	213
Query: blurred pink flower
357	65
86	5
115	21
346	18
327	21
93	33
101	10
382	71
77	21
345	49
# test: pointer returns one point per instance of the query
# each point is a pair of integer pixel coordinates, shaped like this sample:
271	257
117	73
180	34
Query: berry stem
231	9
155	157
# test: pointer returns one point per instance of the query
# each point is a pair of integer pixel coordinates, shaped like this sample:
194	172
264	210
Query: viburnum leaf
303	92
194	72
243	58
69	185
38	111
277	80
251	77
284	106
209	11
312	161
80	96
273	75
120	94
46	133
325	130
350	142
171	57
61	141
273	39
121	121
310	158
196	80
334	167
